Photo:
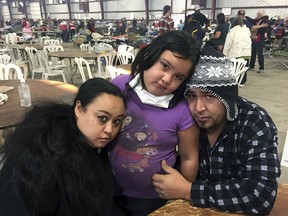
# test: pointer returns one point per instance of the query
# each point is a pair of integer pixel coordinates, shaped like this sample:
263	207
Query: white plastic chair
88	47
55	62
44	38
239	68
49	71
12	71
52	42
35	64
84	68
114	71
104	60
122	48
125	57
5	59
11	38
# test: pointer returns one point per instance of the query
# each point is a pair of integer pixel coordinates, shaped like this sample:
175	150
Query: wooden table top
41	90
37	46
183	208
73	54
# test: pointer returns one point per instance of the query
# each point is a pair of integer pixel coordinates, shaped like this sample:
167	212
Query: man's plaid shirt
240	173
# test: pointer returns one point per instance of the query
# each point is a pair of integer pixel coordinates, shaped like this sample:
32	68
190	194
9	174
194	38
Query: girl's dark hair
47	148
221	18
180	43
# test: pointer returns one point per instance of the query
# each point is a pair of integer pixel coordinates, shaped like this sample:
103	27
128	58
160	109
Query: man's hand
171	185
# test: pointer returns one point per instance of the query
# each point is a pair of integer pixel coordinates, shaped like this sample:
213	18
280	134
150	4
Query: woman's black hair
221	18
178	42
92	88
47	153
166	8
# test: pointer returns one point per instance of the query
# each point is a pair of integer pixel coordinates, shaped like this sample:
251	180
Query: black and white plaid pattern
240	173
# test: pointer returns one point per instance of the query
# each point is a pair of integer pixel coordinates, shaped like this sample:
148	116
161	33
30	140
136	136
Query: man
201	18
239	166
258	41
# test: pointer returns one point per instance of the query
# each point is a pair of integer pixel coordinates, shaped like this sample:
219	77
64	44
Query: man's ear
78	108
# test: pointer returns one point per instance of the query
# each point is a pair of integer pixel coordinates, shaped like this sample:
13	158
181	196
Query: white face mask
148	98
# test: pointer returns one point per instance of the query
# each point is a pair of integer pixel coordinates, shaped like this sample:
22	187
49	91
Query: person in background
201	18
166	23
221	31
157	121
194	28
238	44
26	30
91	26
65	31
279	34
239	166
56	162
210	49
71	29
258	42
180	25
198	17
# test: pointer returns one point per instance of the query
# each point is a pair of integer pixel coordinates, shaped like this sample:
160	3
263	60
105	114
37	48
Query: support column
147	11
102	9
213	10
69	8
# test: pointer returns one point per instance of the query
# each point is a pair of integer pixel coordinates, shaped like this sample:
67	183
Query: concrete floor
269	90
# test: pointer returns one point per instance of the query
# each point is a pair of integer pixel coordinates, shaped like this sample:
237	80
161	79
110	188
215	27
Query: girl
157	121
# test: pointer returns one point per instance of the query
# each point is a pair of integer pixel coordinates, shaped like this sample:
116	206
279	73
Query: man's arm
171	185
254	192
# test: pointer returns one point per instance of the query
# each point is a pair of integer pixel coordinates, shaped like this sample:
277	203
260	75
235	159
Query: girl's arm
189	152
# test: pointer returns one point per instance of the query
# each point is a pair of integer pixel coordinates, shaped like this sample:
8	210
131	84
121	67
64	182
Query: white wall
130	9
35	10
252	6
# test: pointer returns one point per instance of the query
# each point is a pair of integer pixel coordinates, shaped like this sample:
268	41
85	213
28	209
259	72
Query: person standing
64	28
258	42
238	43
180	25
239	165
71	29
56	161
157	121
166	23
221	31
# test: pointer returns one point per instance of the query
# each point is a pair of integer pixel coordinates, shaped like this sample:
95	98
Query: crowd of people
175	128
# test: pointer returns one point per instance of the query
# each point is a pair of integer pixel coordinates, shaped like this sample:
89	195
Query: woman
157	122
221	31
166	23
56	163
238	43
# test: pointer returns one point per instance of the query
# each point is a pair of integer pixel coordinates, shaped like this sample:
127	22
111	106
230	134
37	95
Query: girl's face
167	74
101	119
